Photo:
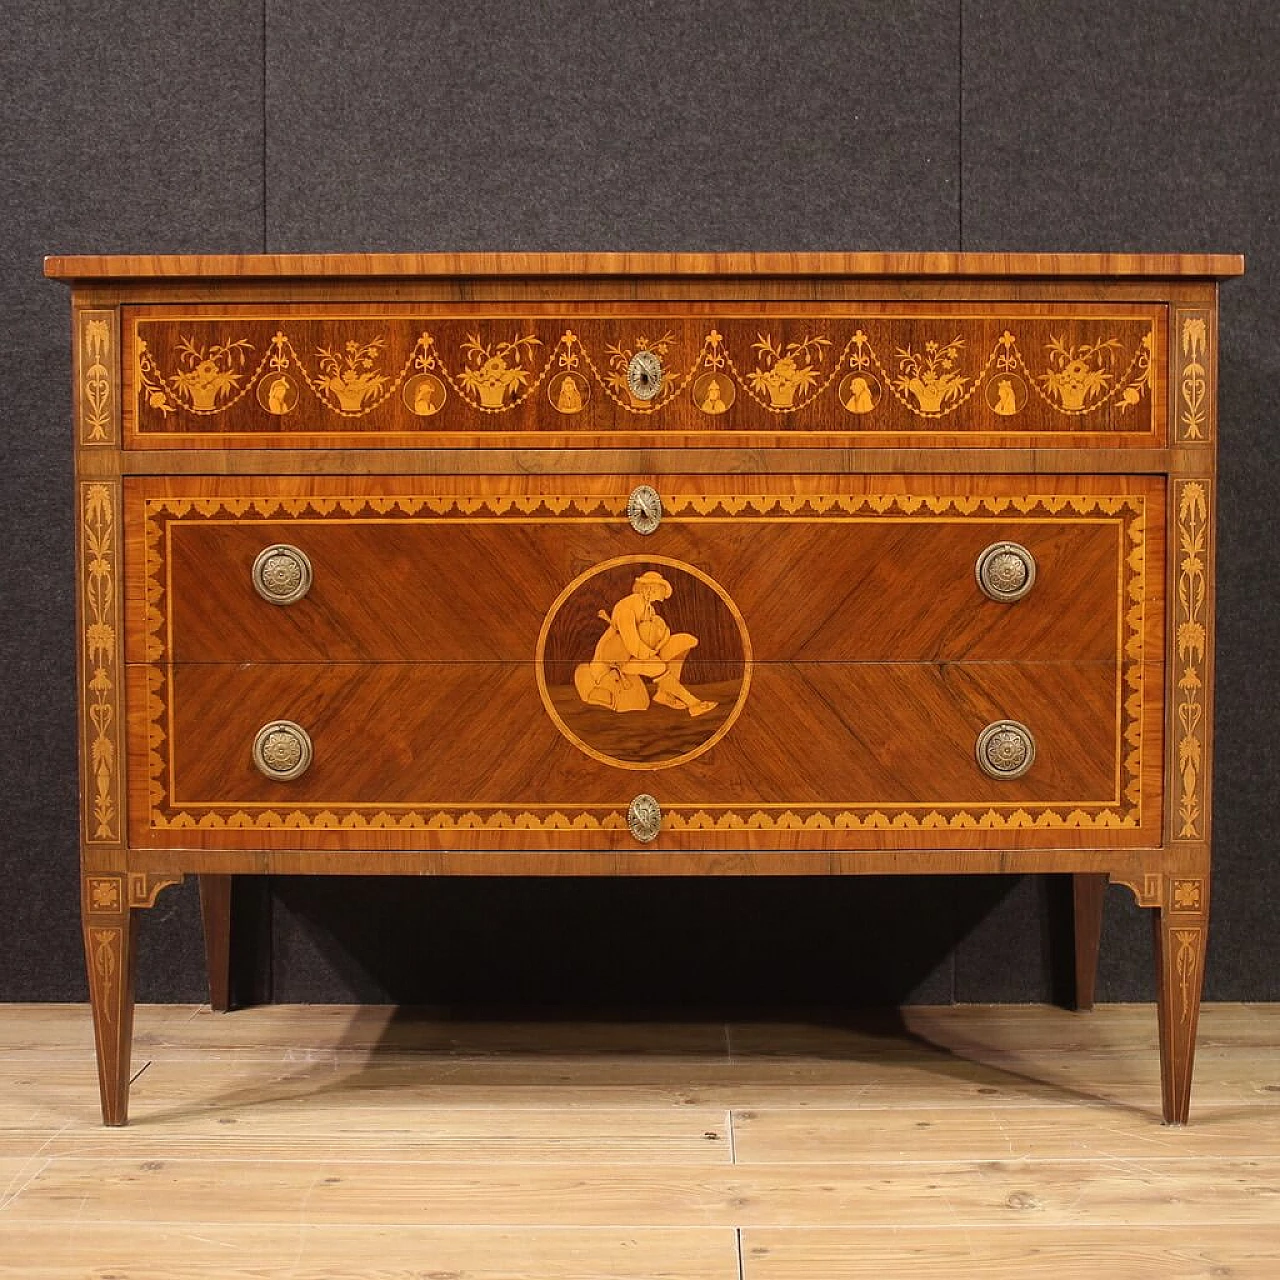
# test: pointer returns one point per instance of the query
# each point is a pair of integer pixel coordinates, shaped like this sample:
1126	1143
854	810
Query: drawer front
853	373
851	583
507	663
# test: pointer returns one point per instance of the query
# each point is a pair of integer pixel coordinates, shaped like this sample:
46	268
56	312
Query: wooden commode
784	564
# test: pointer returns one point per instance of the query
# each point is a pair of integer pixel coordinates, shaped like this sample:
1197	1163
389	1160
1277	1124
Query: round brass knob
644	818
644	509
282	574
282	750
1006	571
1006	749
644	375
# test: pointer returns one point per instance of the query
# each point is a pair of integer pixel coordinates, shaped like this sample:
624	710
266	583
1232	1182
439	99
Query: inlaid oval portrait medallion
643	662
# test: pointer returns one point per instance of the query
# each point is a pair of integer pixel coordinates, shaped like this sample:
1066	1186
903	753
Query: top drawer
717	374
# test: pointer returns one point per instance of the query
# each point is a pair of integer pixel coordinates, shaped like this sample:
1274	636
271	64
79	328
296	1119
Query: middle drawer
852	578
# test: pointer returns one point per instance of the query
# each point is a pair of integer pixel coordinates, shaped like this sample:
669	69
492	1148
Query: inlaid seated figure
636	646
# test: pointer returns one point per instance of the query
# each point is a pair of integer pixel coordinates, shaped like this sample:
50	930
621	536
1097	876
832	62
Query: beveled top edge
474	265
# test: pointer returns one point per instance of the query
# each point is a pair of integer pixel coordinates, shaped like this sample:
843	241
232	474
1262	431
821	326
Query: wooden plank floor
365	1142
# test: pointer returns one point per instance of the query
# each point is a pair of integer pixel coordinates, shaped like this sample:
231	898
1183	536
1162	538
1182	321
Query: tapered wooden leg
1181	930
110	954
1088	891
215	909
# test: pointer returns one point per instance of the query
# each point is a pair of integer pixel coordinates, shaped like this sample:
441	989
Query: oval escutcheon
644	818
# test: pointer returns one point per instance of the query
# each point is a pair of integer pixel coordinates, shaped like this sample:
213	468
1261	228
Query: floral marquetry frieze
1005	374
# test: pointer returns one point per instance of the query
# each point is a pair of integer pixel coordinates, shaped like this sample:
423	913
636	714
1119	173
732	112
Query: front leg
110	956
1181	931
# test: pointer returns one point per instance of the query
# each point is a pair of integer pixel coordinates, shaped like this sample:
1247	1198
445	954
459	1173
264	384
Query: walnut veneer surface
370	583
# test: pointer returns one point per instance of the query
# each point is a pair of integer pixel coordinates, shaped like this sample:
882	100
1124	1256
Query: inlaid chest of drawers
645	564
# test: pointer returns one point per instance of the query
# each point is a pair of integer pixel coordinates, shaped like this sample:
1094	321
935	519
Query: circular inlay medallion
860	392
424	394
1006	394
643	662
277	393
714	392
568	392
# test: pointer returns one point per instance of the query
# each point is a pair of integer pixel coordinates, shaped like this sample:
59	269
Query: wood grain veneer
491	662
289	266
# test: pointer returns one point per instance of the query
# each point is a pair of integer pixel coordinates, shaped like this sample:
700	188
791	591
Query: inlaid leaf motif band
1195	396
100	610
1191	641
97	351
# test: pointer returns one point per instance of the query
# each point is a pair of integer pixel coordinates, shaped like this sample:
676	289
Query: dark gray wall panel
1088	128
122	127
686	943
1018	943
577	125
645	126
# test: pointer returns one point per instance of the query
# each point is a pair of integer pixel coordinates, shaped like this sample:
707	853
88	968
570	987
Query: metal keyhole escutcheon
644	818
644	508
644	375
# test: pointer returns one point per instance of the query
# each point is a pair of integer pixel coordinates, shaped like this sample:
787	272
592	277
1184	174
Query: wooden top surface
402	265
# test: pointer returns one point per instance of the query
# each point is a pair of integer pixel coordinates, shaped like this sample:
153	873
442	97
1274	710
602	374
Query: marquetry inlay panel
729	640
925	371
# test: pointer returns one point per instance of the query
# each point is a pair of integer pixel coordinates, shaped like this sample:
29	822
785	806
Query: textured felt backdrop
296	125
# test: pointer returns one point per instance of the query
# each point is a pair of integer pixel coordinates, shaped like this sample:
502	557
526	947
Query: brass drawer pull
644	375
644	508
644	818
282	750
1006	749
282	574
1006	571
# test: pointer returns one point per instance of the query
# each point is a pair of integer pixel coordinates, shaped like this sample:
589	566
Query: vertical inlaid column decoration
102	784
1191	516
96	350
97	377
1193	377
106	891
1191	638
